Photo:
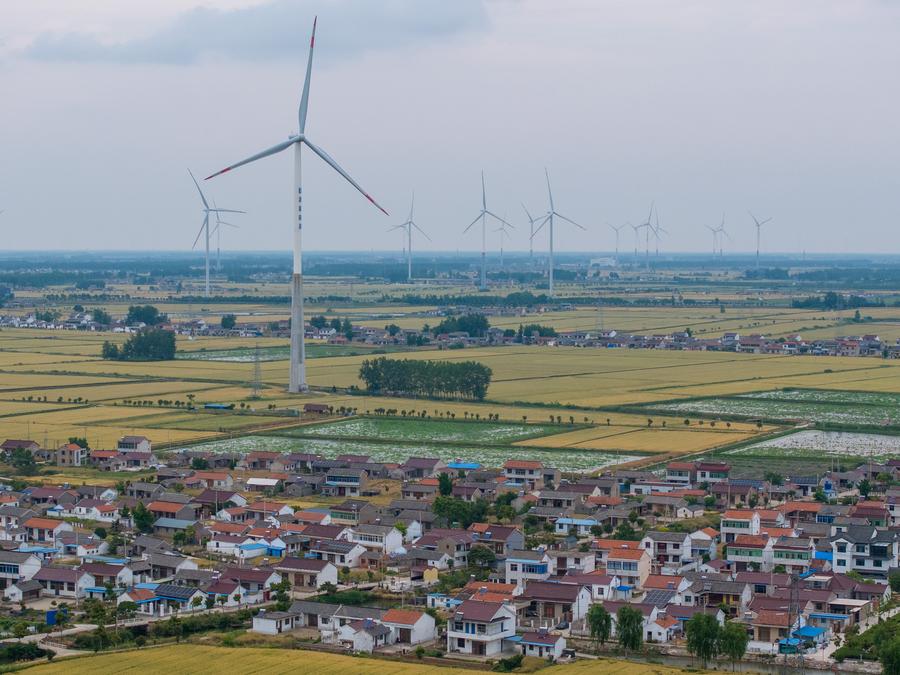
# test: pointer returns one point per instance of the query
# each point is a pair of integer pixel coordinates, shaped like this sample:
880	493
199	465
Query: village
457	558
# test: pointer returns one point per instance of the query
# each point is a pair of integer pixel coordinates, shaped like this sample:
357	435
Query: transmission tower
256	384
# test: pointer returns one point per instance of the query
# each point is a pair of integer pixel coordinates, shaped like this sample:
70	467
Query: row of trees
476	325
154	344
433	379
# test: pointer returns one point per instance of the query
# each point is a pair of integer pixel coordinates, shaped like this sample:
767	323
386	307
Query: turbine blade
304	98
205	224
568	220
469	227
483	193
334	165
494	215
539	227
215	210
549	191
205	205
530	219
424	233
259	155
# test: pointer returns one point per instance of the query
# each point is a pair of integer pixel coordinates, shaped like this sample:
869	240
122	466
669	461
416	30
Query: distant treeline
476	325
432	379
832	300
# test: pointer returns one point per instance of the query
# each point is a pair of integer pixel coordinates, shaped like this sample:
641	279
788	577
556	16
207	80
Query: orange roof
603	500
710	531
685	493
104	454
522	464
293	527
165	507
211	475
871	503
43	523
776	532
750	540
228	528
429	481
738	514
771	617
5	499
628	554
141	594
663	581
491	586
263	532
311	516
610	544
767	514
492	597
666	622
407	617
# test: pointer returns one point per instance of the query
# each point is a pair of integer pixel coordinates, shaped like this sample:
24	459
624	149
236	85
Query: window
841	562
460	642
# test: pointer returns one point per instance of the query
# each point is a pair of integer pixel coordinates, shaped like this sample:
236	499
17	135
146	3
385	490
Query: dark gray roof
175	591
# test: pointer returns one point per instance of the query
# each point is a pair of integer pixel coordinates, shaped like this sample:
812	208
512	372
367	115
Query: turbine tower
408	228
637	230
648	228
548	218
759	224
204	228
297	141
657	230
715	237
482	217
503	235
217	230
531	222
616	230
721	230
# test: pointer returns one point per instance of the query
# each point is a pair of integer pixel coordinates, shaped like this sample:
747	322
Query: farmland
203	659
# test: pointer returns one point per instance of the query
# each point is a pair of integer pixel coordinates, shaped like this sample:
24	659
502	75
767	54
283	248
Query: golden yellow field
247	660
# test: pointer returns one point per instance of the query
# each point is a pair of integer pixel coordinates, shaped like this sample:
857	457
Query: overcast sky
790	109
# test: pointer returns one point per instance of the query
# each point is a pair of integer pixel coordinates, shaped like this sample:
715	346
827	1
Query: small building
134	444
542	644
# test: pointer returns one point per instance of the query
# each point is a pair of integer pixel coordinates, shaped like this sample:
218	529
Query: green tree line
433	379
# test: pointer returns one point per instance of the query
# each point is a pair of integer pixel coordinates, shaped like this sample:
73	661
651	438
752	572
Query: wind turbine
204	228
637	229
648	227
721	230
531	222
408	228
503	235
482	217
759	225
217	230
548	218
715	237
298	344
657	230
616	230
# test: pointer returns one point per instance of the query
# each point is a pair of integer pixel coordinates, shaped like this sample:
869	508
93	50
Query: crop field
176	659
844	408
394	451
433	431
674	439
832	443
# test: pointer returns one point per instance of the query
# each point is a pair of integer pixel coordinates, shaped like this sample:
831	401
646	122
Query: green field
425	431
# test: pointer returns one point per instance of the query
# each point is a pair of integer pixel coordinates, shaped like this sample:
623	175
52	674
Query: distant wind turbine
657	230
721	230
548	218
715	237
297	141
503	235
408	228
482	217
637	230
531	222
648	228
217	230
616	230
759	224
204	228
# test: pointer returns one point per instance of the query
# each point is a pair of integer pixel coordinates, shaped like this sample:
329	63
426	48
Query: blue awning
832	617
624	588
809	632
823	555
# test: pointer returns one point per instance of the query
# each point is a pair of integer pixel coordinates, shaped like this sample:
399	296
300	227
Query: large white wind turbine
408	228
759	224
548	218
482	217
298	345
204	228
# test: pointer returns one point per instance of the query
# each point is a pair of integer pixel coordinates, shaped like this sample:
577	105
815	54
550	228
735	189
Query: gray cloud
275	30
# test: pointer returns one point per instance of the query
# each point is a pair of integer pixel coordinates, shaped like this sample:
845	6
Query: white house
17	566
543	644
384	538
275	623
524	566
410	626
307	574
480	628
363	635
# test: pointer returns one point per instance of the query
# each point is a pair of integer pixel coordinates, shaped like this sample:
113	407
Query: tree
481	557
23	462
733	640
865	487
445	484
600	623
282	594
199	464
80	442
889	655
101	317
894	581
630	628
703	637
143	519
150	344
196	601
146	314
228	321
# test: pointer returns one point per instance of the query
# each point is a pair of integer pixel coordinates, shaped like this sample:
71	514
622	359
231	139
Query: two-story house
480	628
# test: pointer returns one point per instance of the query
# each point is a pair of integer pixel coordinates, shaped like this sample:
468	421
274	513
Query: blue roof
825	615
624	588
247	547
809	631
576	521
150	586
463	465
822	555
38	549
